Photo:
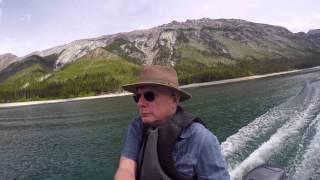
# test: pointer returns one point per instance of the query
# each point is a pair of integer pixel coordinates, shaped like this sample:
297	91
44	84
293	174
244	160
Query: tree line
86	85
188	71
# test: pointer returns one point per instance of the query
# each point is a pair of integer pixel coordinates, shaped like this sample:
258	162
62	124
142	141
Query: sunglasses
149	96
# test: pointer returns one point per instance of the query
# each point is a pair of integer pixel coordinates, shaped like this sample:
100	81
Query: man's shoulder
136	123
135	128
197	127
196	131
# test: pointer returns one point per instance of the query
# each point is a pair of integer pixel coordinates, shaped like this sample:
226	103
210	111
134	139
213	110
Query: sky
32	25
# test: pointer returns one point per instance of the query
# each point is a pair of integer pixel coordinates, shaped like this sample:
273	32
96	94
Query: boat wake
287	135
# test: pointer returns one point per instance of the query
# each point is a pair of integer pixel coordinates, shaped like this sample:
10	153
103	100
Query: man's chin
148	120
151	121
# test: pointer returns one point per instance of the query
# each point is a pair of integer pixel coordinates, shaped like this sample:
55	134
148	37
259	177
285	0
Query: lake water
274	120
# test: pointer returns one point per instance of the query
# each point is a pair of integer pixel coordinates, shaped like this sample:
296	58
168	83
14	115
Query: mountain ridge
200	50
6	60
76	49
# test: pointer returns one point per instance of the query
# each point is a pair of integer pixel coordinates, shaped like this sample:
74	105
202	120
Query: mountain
314	35
6	60
200	50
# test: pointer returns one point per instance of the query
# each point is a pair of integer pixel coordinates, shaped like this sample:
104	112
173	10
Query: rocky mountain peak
6	60
216	37
314	32
314	36
7	56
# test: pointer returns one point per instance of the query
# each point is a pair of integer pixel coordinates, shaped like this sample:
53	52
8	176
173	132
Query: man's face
158	109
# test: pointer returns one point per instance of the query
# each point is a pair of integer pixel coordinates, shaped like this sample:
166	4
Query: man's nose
142	101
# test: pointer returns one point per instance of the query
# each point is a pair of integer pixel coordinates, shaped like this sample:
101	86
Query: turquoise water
272	120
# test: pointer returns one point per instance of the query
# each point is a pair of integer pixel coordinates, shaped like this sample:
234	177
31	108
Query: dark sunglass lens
149	96
136	98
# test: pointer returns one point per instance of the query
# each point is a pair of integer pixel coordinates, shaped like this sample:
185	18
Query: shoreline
246	78
226	81
28	103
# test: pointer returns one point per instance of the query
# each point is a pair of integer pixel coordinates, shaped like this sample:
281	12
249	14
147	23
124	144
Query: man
165	142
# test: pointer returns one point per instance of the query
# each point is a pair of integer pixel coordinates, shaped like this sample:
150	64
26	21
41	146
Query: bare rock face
70	52
6	60
314	35
314	32
219	40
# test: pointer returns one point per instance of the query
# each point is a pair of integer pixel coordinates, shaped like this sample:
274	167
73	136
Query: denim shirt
197	152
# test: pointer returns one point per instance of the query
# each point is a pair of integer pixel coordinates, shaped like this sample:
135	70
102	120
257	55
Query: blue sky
32	25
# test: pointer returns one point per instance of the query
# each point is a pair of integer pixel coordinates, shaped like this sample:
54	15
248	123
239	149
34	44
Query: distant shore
16	104
248	78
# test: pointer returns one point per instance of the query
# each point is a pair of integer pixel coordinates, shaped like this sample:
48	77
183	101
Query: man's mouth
145	114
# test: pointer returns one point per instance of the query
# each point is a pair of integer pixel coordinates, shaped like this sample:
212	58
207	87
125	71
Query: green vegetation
182	36
201	55
82	78
46	63
163	56
215	54
96	76
115	47
191	71
30	75
201	63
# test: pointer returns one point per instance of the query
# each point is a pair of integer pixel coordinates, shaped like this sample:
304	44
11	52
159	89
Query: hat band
159	82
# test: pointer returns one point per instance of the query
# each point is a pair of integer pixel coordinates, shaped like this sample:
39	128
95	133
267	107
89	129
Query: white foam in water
302	146
265	123
274	144
310	164
259	127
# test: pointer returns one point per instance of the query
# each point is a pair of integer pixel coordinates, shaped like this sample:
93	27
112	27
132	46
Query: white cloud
19	47
5	47
251	5
316	16
28	16
99	17
299	24
266	20
25	17
297	18
0	16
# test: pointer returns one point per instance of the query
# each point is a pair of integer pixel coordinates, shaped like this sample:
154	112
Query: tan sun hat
156	75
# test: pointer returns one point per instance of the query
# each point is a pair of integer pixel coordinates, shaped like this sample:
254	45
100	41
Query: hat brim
133	88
